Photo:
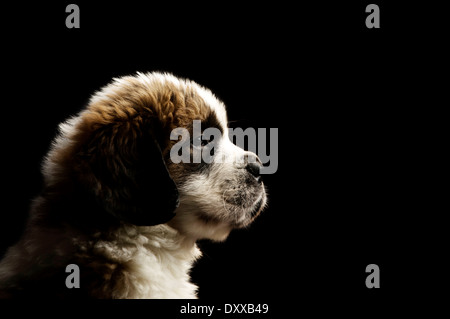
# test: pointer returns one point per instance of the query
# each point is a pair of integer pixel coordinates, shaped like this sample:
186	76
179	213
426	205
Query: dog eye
200	141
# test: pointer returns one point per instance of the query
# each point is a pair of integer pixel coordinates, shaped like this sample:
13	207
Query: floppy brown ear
129	176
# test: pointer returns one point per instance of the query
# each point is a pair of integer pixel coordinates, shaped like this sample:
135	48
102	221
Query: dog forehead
210	105
215	105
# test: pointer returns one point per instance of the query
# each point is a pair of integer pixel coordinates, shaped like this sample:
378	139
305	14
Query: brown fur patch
125	110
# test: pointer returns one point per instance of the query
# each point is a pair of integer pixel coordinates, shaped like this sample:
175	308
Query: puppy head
118	150
222	193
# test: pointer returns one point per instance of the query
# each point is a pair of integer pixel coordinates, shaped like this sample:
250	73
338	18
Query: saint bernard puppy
115	204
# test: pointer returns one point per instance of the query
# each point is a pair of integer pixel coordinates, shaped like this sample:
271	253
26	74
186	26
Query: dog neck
156	261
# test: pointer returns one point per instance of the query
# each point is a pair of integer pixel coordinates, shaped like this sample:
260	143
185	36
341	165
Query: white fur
158	260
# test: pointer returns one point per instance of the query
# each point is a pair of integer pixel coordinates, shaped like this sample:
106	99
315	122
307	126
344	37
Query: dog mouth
246	215
235	215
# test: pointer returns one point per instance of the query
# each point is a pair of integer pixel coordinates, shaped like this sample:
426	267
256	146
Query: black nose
253	168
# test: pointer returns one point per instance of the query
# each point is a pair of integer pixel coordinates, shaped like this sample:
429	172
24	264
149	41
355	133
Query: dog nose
253	166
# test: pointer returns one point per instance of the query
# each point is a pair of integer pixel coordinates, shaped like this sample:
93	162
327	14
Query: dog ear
129	177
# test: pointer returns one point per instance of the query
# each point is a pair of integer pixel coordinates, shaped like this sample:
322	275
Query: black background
343	196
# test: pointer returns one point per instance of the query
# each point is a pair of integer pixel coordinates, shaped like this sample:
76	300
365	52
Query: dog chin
199	225
250	214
